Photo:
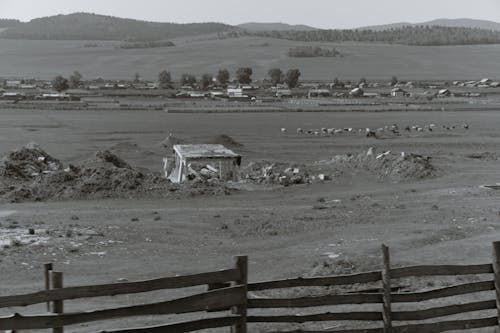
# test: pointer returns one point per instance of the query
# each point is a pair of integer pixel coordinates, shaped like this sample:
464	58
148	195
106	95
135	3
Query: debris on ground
276	173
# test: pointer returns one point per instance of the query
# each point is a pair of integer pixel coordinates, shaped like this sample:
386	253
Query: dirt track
329	227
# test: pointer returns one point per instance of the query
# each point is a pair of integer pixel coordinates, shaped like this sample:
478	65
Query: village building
318	92
399	92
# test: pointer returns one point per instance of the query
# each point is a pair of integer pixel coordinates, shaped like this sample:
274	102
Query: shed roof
204	151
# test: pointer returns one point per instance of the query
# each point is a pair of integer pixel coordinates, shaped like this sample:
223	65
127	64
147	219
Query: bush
312	51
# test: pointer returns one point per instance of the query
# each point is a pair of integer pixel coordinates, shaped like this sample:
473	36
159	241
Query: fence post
241	310
496	270
57	306
46	269
386	283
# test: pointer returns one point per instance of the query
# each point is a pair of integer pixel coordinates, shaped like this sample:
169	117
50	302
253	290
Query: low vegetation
145	45
408	35
5	23
312	51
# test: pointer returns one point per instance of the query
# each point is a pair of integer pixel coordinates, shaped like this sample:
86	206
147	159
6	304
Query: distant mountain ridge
275	26
86	26
462	22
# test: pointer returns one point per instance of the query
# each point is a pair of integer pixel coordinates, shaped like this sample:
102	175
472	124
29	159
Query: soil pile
27	163
225	140
386	165
171	140
30	174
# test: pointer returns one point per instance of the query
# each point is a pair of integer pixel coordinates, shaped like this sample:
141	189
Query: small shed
203	161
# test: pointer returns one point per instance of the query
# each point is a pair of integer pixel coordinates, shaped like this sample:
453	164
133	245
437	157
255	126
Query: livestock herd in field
374	132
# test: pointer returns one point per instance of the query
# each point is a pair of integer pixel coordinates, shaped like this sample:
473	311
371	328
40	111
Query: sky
317	13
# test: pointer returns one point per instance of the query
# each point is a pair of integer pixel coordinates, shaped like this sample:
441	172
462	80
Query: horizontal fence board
443	311
317	281
359	330
216	299
447	326
194	325
433	270
329	316
460	289
113	289
304	302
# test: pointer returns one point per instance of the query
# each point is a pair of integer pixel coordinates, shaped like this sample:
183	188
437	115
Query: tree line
243	75
409	35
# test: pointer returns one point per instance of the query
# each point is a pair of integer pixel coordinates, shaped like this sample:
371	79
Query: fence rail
229	289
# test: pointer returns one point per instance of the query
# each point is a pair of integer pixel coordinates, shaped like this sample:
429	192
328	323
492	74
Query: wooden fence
229	290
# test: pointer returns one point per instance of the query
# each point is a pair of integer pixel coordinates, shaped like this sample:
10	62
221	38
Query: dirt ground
326	227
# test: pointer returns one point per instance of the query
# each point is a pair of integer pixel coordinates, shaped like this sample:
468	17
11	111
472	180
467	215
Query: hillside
464	23
374	61
408	35
4	23
259	26
85	26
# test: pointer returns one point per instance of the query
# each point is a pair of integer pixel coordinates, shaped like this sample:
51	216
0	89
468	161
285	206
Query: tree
59	83
244	75
223	77
206	81
75	79
292	78
276	76
362	81
337	83
164	78
394	81
137	78
188	80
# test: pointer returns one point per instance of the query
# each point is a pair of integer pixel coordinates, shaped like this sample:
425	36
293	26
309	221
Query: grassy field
374	61
446	219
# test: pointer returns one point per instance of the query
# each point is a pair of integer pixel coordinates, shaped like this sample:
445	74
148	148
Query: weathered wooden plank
443	311
359	330
113	289
215	299
447	326
194	325
241	309
317	281
434	270
303	302
329	316
460	289
496	269
386	296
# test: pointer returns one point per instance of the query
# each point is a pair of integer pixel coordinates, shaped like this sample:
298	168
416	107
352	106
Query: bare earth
322	228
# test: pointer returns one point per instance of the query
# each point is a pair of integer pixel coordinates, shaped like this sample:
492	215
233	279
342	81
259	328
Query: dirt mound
30	174
225	140
172	140
386	165
27	163
487	156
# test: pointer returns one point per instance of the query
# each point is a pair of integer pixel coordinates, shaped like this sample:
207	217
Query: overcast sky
318	13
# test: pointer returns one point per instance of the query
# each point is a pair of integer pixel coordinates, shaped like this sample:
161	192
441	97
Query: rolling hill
464	22
85	26
374	61
258	26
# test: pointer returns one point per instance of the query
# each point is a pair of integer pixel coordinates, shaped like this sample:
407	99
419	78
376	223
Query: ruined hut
203	161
